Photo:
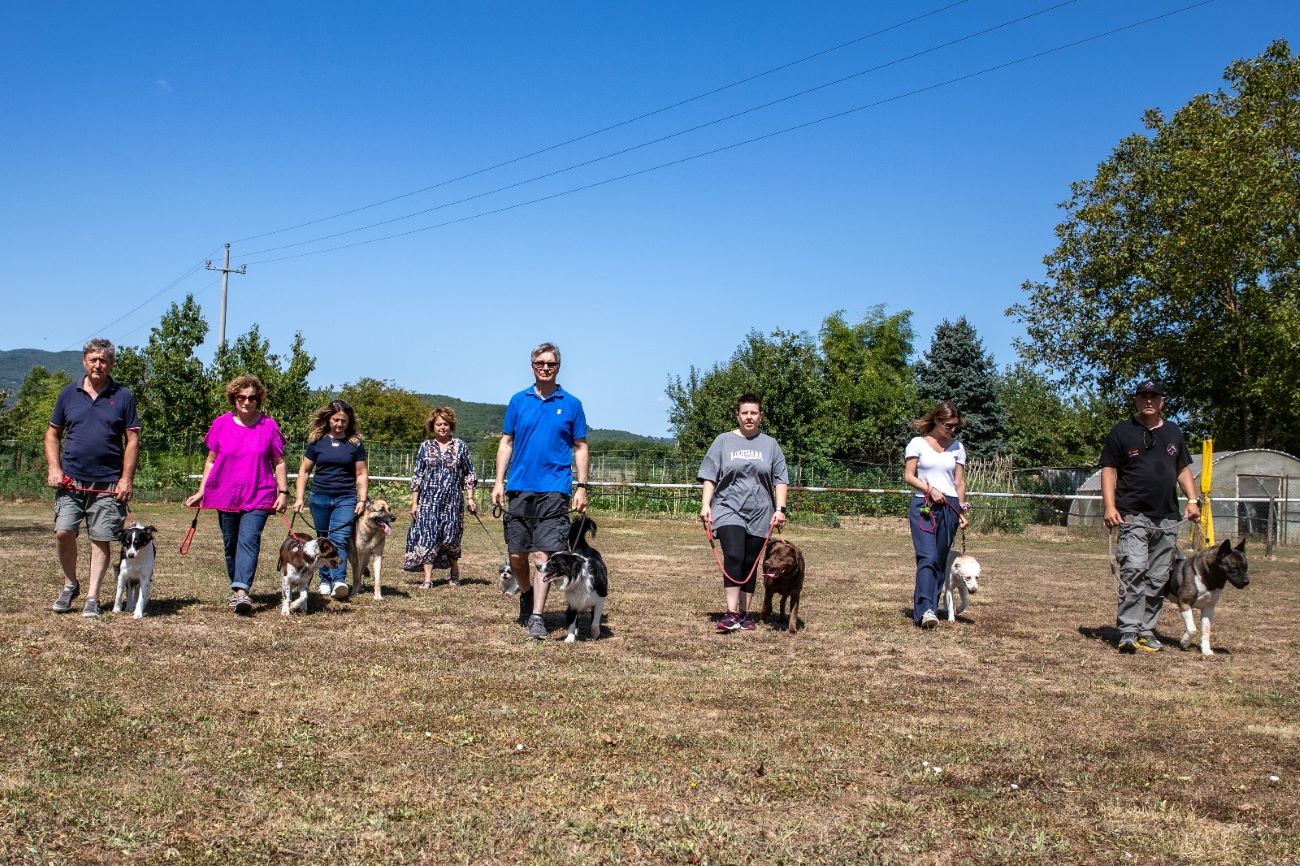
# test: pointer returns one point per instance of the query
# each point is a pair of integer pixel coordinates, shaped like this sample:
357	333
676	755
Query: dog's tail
578	528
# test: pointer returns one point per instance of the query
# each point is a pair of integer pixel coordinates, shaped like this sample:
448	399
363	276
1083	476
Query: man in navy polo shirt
1143	461
543	436
94	421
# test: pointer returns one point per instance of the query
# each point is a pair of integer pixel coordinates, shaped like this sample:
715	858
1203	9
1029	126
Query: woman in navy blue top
339	485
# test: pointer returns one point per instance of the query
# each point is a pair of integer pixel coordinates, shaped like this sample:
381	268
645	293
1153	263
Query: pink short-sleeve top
243	471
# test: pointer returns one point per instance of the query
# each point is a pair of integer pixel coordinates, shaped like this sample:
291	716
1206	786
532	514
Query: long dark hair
320	421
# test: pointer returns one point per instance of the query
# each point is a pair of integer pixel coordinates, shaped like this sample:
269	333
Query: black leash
493	538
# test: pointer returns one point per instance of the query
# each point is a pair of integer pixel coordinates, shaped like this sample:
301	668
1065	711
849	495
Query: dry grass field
426	729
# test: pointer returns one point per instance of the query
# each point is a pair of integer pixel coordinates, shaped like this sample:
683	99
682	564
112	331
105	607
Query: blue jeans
932	539
241	535
333	517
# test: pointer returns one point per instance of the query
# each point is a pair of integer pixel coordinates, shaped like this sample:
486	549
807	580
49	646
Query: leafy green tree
957	368
781	368
1046	428
171	386
290	400
868	393
29	416
386	414
1180	259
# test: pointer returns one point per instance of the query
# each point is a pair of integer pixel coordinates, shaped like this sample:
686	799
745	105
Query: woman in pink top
244	480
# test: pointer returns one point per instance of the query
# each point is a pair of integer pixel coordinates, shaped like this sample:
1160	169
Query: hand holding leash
580	499
122	490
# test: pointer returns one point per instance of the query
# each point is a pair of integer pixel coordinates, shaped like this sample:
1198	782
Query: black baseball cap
1149	386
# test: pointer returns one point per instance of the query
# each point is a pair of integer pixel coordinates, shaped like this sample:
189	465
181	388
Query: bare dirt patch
425	728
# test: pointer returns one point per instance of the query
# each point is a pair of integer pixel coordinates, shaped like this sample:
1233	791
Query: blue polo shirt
94	430
544	432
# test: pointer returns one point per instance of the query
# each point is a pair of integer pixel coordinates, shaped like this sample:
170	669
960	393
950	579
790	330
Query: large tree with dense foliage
29	416
782	368
868	391
956	367
171	386
848	396
386	414
1047	428
290	400
1180	259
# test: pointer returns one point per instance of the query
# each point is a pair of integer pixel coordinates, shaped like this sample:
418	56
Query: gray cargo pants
1146	552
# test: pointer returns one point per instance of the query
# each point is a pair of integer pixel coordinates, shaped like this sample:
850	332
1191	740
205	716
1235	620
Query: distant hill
16	363
476	421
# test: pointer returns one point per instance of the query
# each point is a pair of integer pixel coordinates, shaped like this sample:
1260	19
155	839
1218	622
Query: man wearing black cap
1143	461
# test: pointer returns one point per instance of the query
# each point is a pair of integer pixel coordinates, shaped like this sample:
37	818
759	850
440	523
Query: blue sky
139	137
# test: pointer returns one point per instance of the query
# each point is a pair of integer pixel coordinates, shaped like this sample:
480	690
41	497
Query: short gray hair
99	344
546	347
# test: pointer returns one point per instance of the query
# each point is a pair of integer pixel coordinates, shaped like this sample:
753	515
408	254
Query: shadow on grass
169	606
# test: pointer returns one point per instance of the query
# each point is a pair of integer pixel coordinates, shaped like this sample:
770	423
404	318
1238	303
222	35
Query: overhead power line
613	126
155	296
835	116
688	130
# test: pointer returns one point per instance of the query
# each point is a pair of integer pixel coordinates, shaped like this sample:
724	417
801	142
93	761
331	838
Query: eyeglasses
546	365
952	427
247	398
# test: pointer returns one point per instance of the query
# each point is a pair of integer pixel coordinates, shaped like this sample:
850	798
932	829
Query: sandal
428	584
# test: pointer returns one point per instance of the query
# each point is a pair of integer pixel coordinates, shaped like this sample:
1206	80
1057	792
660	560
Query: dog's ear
152	529
1226	547
1241	548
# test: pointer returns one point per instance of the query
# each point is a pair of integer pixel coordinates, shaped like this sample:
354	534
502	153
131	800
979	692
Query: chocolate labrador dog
783	576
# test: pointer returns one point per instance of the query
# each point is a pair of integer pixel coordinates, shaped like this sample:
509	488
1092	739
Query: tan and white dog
1197	583
963	577
366	554
300	555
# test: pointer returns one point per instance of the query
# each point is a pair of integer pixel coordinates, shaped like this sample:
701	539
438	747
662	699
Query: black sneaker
1128	644
63	603
536	627
1149	643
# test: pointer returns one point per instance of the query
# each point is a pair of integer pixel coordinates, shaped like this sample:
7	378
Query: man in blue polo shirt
543	436
95	424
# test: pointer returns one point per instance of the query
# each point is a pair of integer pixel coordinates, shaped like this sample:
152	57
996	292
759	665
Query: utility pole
226	271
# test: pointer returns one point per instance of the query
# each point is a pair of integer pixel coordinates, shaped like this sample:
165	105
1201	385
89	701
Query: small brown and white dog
783	569
300	555
1197	583
366	554
963	577
135	569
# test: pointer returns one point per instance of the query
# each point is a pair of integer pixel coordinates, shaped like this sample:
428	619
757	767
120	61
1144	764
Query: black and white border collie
582	575
135	569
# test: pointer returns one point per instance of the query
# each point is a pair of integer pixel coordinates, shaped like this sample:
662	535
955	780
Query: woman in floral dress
443	476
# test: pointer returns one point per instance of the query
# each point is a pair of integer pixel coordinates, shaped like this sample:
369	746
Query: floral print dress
441	479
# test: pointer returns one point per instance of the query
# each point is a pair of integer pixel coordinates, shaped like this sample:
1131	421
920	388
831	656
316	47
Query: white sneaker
929	620
326	588
341	590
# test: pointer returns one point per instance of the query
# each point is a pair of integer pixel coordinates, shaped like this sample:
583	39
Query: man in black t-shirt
1143	461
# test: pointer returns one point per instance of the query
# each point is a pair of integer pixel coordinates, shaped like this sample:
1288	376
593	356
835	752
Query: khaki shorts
103	514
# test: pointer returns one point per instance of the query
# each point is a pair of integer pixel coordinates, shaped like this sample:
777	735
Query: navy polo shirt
335	470
543	431
94	430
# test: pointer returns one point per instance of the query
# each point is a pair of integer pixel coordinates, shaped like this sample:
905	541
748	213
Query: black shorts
537	522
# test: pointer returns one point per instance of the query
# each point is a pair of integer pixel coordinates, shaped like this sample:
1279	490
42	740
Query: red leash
189	533
722	568
70	484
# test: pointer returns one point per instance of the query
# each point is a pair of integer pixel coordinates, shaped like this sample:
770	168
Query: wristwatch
781	508
581	484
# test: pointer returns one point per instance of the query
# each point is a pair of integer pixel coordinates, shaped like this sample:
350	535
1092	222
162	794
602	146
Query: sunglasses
1148	440
952	427
247	398
546	365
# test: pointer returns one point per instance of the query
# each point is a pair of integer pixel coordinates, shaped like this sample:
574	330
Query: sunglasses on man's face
546	365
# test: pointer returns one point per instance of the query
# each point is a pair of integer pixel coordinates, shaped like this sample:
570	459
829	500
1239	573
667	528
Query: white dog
135	569
962	575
